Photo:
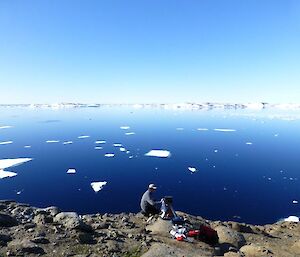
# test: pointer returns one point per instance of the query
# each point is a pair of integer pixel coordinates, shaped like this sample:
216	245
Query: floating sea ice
192	169
180	129
276	135
82	137
249	143
6	142
129	133
122	149
6	163
67	142
225	130
52	141
98	147
19	192
100	142
216	150
130	157
202	129
292	219
27	146
71	171
125	127
295	201
97	186
109	155
158	153
7	174
117	145
5	127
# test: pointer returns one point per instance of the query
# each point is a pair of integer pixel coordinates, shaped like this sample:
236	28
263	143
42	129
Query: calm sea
247	163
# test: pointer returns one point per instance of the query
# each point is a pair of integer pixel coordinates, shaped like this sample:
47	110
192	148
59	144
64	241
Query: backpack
207	235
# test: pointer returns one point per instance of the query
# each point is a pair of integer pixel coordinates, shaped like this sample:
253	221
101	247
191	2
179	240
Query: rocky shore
31	231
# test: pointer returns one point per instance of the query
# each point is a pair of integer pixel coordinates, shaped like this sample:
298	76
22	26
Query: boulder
7	220
21	247
4	239
52	210
42	219
71	220
86	238
160	227
229	238
40	240
255	251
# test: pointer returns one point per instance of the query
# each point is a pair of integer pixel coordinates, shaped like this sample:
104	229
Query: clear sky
117	51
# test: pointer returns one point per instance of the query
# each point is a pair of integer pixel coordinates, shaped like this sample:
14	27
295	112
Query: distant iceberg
67	142
125	127
202	129
98	147
52	141
82	137
224	130
192	169
117	145
6	142
71	171
292	219
159	153
7	174
7	163
5	127
27	146
100	142
97	186
109	155
249	143
129	133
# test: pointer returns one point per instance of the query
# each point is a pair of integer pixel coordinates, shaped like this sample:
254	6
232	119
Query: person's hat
152	186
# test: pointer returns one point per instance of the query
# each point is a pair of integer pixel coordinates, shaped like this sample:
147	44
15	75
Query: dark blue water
251	183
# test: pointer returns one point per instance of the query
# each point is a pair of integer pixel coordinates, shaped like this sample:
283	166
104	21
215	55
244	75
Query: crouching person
148	204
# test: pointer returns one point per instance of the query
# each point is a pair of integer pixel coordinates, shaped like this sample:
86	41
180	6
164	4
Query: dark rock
229	238
29	225
40	240
86	238
7	220
52	210
4	239
24	247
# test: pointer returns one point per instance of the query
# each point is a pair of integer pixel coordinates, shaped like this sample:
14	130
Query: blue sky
116	51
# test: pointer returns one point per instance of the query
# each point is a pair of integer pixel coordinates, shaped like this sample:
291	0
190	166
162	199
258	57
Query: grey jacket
147	199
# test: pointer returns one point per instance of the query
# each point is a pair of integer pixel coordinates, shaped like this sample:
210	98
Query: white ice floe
117	145
97	186
129	133
127	152
6	142
71	171
52	141
67	142
98	147
5	127
192	169
179	129
109	155
249	143
202	129
7	174
158	153
295	201
82	137
216	150
7	163
125	127
130	157
100	142
224	130
122	149
292	219
27	146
